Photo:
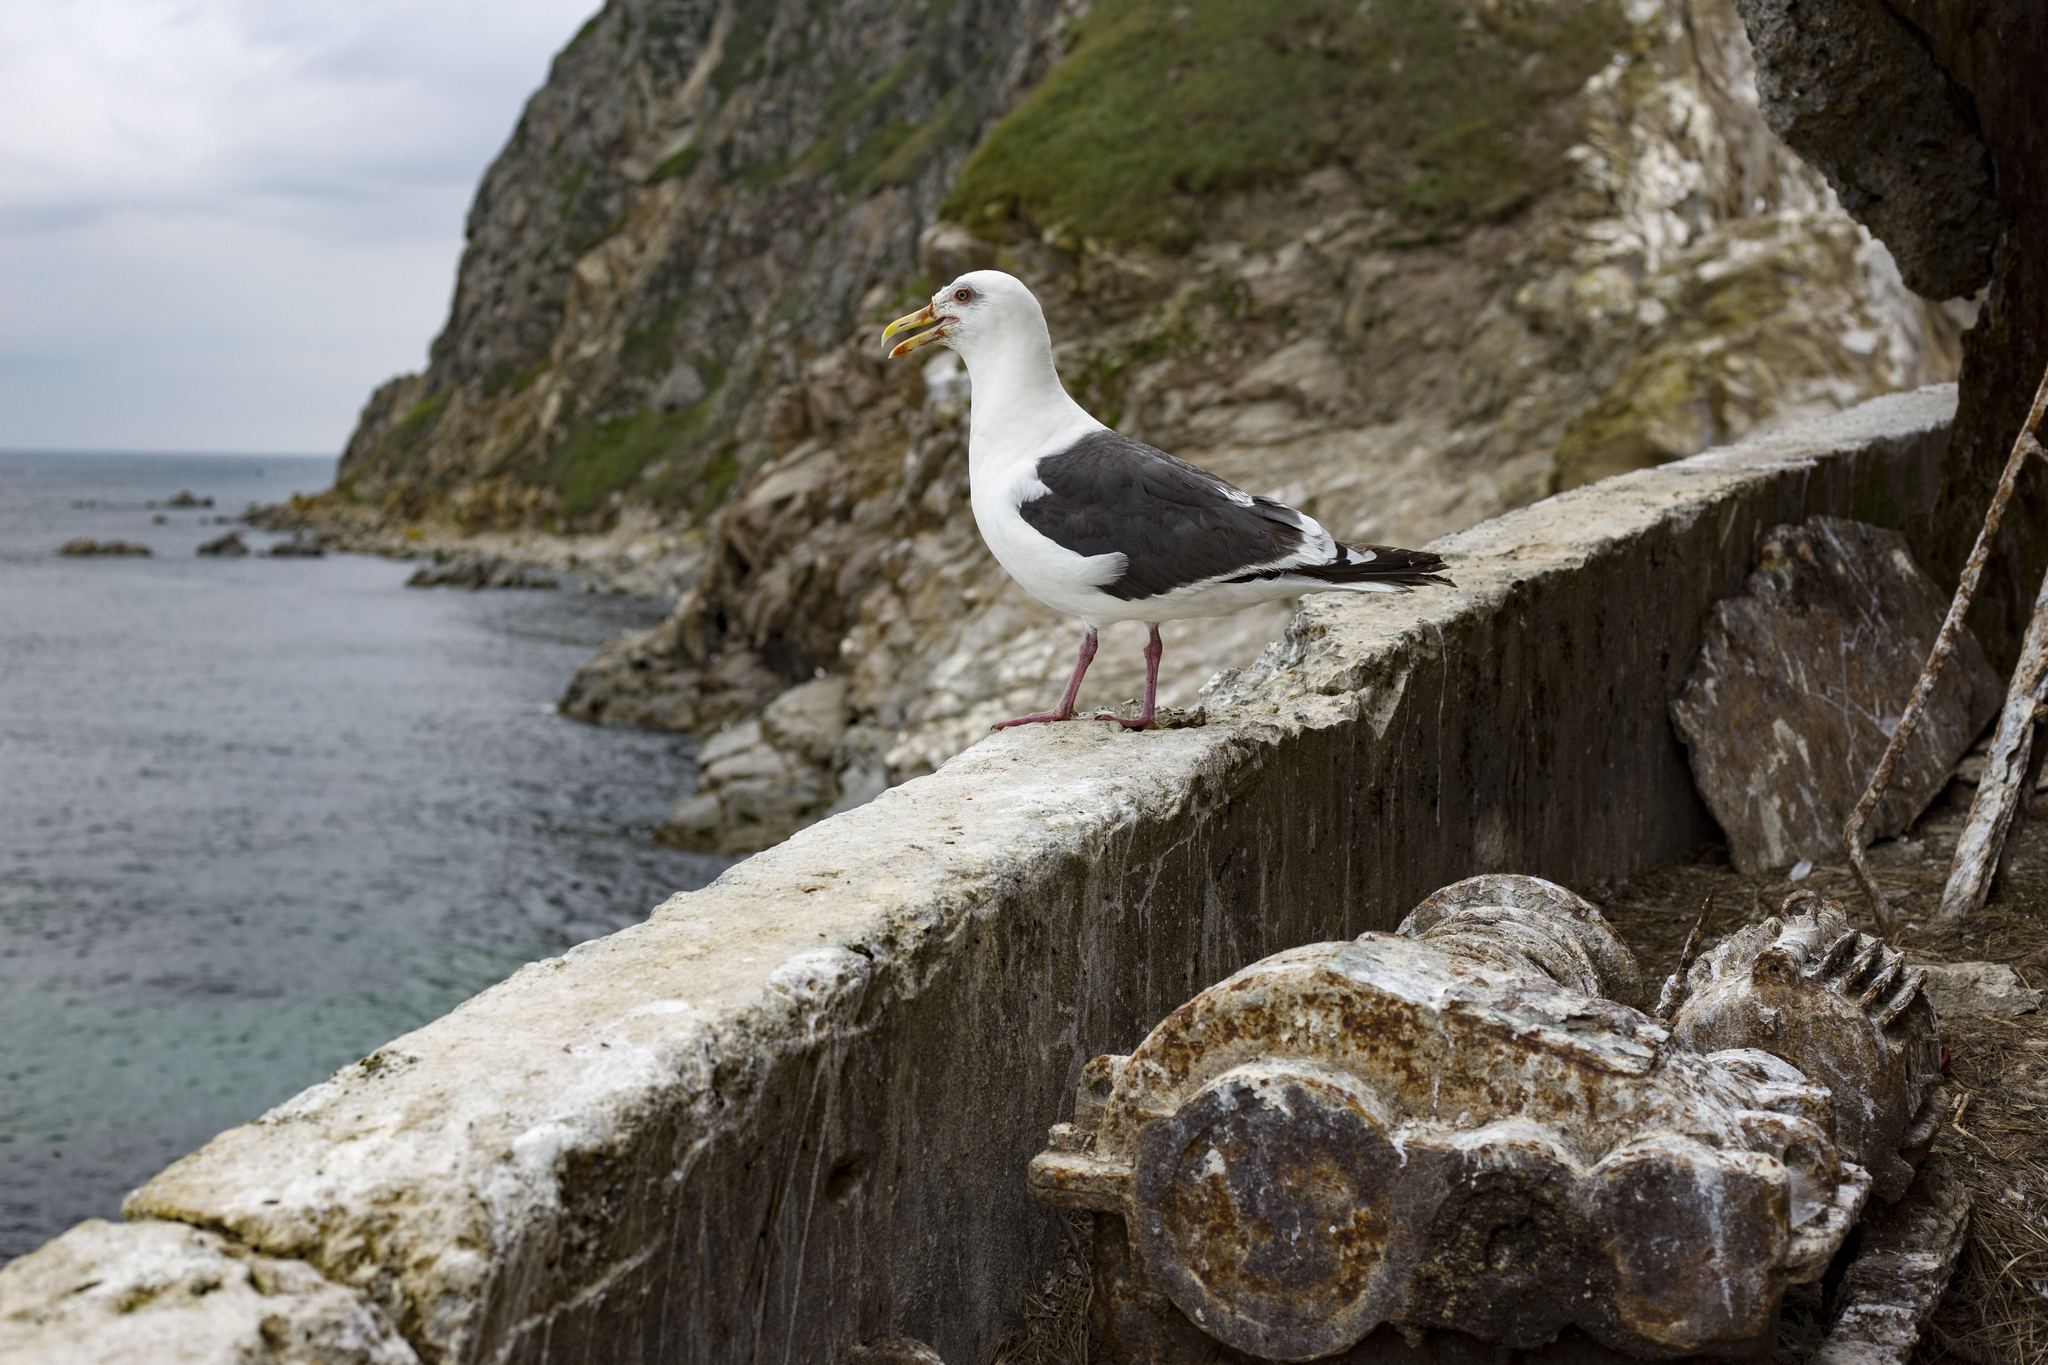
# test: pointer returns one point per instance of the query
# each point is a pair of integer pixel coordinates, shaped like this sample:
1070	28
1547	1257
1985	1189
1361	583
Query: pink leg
1153	649
1066	707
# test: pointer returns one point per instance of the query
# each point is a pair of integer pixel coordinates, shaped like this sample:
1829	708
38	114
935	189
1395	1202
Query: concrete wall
792	1111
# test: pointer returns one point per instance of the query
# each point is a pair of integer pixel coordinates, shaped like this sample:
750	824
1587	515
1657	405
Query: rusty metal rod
2023	446
2003	788
1673	994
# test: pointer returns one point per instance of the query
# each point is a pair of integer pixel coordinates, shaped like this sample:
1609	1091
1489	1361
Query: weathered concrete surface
1799	685
792	1112
174	1295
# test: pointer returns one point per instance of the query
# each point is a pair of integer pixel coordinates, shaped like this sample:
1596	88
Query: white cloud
223	221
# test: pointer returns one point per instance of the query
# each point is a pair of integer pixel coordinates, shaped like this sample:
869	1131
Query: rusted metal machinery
1467	1127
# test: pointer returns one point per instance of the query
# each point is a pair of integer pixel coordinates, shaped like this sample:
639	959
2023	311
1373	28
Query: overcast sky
222	222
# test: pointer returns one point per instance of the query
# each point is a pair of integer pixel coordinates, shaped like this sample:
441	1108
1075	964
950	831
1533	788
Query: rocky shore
638	555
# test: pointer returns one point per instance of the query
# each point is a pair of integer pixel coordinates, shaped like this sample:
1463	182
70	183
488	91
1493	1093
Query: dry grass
1054	1330
1996	1311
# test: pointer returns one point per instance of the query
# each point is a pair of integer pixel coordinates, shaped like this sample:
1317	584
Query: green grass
681	164
1159	105
669	459
863	148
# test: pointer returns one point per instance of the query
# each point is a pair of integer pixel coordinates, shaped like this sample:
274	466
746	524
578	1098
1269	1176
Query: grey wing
1175	524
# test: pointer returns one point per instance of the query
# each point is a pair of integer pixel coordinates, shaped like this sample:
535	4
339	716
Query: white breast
1061	578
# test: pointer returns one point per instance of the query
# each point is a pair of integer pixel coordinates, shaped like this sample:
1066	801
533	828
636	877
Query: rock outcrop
1855	88
704	193
473	570
79	546
1799	685
1931	122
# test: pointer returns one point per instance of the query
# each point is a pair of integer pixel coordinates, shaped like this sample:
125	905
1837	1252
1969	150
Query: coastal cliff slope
702	193
1407	265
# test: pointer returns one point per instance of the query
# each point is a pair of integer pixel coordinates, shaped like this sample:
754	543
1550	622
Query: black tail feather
1378	564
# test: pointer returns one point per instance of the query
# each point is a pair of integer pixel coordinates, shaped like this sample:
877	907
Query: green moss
663	457
1158	105
700	483
402	445
743	58
898	161
415	423
761	174
589	28
682	163
865	148
506	380
572	187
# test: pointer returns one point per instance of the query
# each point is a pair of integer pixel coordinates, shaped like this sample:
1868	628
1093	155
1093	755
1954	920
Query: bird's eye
963	295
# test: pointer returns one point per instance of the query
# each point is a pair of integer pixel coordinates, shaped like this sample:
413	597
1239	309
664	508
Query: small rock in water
86	545
1800	682
228	545
473	570
186	498
295	548
1989	990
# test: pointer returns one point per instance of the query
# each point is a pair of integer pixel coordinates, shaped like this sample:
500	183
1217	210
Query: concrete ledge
173	1295
792	1112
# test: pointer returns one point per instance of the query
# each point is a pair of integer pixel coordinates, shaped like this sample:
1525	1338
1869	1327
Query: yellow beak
920	318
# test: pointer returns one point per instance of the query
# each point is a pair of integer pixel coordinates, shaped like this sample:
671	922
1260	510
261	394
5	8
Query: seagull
1099	526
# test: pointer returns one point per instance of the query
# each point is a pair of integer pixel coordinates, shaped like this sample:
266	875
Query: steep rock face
703	193
1945	148
1852	84
1665	277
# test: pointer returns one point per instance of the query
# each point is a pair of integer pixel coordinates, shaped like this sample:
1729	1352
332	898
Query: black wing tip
1384	564
1394	557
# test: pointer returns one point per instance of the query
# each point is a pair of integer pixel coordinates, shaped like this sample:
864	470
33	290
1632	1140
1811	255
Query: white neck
1019	408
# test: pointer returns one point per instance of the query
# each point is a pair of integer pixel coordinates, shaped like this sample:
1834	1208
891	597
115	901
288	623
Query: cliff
1408	265
701	195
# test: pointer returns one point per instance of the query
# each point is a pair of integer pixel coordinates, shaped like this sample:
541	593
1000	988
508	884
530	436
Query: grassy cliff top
1440	108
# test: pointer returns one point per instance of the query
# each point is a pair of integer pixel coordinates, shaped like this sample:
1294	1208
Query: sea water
258	816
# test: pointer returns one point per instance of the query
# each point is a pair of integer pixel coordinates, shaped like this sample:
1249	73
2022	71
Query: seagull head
982	313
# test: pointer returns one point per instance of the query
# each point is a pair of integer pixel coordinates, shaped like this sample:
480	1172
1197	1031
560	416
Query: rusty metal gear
1455	1127
1842	1007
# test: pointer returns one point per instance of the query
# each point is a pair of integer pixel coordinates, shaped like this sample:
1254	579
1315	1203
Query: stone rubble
1800	679
1985	990
473	570
79	546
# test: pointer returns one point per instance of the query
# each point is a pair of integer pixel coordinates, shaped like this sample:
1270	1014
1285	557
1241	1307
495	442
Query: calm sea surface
258	816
